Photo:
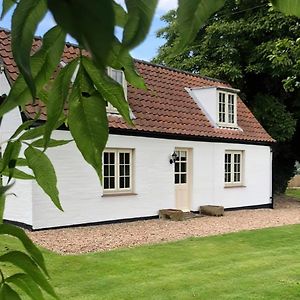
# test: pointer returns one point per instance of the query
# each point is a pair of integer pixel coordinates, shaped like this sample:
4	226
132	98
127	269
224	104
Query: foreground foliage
84	85
259	264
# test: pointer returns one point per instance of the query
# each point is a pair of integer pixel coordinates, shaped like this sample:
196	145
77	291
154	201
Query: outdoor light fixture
173	158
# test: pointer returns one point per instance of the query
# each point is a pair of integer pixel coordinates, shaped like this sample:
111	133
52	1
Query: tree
257	50
92	24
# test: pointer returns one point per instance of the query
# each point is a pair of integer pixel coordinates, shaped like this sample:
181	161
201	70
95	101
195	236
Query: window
180	167
117	170
227	109
118	76
233	167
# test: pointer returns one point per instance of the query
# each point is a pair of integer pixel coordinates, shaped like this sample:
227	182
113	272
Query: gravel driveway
119	235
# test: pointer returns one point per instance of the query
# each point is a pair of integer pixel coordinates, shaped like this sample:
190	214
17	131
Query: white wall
18	206
206	98
81	193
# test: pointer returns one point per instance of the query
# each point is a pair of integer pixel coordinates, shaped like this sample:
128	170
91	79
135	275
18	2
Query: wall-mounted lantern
173	157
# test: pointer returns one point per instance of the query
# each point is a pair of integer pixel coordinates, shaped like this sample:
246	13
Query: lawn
261	264
295	193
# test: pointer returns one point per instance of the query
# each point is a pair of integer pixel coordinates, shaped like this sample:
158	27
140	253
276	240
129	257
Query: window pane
111	182
120	77
122	170
121	182
227	177
183	178
112	170
237	158
105	170
121	158
111	158
177	178
237	177
127	170
127	182
127	159
221	107
176	167
183	167
105	156
106	184
109	170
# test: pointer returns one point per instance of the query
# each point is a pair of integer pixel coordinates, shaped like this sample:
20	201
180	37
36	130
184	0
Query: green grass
295	193
261	264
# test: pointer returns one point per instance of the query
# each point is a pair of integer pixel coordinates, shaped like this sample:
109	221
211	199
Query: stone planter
212	210
171	214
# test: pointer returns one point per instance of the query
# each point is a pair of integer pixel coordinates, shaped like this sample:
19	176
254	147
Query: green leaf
120	59
44	173
22	162
121	16
25	263
43	63
6	6
18	174
191	15
88	120
33	133
25	20
288	7
108	88
36	132
52	143
140	14
24	126
5	188
27	243
10	157
57	98
91	23
12	149
7	293
27	285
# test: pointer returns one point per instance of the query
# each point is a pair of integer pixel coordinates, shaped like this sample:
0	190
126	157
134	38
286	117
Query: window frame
227	114
232	182
117	176
110	108
179	162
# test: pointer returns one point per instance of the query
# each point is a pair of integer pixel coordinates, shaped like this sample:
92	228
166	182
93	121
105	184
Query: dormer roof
165	110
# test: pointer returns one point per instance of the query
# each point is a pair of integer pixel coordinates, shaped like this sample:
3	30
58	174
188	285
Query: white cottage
194	143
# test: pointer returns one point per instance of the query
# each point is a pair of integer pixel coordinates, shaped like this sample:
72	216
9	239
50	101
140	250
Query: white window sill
228	126
117	194
234	186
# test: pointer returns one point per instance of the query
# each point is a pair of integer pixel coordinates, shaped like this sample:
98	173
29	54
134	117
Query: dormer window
227	109
119	77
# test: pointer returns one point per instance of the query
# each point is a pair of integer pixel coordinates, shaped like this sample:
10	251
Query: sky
146	51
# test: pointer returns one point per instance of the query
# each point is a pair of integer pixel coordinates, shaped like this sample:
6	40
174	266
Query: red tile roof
165	109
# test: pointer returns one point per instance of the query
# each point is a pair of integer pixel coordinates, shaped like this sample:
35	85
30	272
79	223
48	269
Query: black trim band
19	224
162	135
260	206
132	132
128	220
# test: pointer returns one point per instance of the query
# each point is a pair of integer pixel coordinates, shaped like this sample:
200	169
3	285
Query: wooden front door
181	179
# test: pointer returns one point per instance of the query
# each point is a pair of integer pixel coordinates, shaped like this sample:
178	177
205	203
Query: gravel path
120	235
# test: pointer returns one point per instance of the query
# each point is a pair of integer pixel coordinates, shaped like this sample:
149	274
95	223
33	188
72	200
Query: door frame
189	175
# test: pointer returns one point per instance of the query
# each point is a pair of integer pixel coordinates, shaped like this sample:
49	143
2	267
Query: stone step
176	215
